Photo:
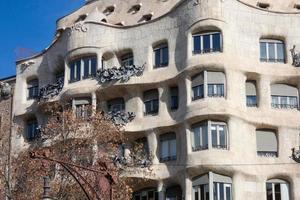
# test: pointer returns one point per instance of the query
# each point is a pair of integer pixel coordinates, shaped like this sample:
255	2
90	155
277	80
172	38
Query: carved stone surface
79	26
26	64
5	90
296	155
120	118
122	73
51	90
295	57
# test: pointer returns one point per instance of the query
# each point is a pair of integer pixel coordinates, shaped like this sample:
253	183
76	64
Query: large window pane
277	191
280	52
272	52
263	51
197	44
214	136
216	42
165	56
206	43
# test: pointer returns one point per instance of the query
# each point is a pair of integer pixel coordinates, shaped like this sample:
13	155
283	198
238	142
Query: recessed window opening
32	130
174	98
146	194
151	102
209	134
109	9
277	189
284	96
161	55
84	67
33	89
263	5
272	51
207	42
266	142
127	60
220	185
148	17
297	6
115	105
168	147
82	107
251	99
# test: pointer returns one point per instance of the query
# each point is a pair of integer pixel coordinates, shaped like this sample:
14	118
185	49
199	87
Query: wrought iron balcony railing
120	118
267	153
51	90
5	90
122	73
295	57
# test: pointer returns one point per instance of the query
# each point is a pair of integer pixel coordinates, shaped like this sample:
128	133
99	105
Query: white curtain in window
284	191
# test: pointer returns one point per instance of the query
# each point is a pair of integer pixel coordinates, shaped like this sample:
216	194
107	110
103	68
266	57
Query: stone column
188	89
188	188
161	190
163	94
94	101
153	144
264	92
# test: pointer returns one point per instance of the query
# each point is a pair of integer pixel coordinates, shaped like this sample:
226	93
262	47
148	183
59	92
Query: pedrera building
213	86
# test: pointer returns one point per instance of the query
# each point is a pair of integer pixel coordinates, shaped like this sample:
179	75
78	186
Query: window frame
83	71
126	59
161	48
288	104
153	102
208	124
276	53
169	138
174	98
111	104
211	45
274	182
33	125
33	90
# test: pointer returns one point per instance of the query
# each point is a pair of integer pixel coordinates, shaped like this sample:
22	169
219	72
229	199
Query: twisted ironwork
120	118
123	73
51	90
5	90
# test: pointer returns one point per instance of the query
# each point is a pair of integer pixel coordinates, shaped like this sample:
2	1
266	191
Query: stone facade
6	100
111	29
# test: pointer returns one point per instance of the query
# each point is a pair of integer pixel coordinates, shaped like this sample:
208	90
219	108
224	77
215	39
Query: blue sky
28	24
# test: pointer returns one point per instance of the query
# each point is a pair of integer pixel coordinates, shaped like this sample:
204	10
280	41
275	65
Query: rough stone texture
242	26
5	129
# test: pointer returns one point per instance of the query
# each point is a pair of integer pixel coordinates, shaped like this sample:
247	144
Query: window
266	143
117	104
32	130
151	102
198	86
168	147
222	187
201	133
251	100
33	89
207	42
277	189
174	99
147	194
161	56
215	84
82	107
127	60
174	193
88	64
284	96
272	51
218	136
207	83
90	67
200	137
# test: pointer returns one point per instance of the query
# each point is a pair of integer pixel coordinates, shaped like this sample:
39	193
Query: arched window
207	42
82	107
284	96
272	50
222	187
151	102
33	89
251	99
266	143
277	189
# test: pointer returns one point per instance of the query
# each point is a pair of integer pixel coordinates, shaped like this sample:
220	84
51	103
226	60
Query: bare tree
81	155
